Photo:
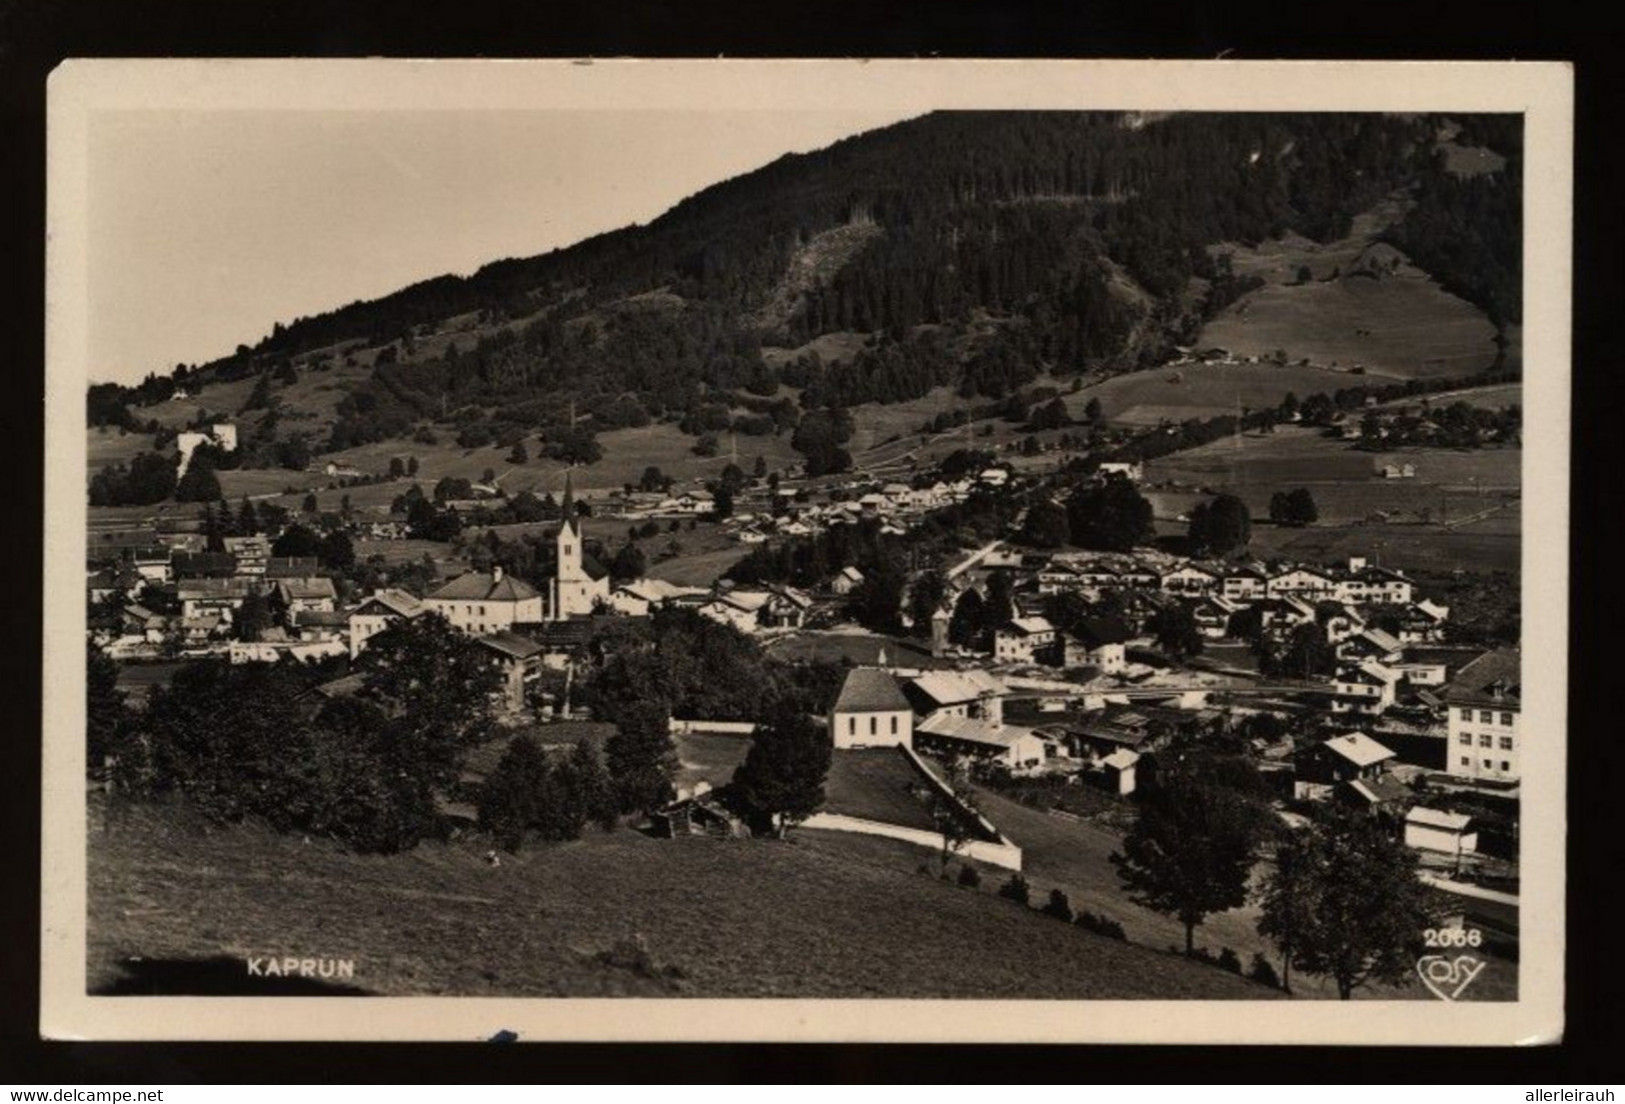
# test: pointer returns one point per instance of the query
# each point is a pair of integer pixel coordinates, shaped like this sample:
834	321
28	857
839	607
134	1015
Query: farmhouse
1020	639
250	553
1483	701
379	611
1353	759
972	693
1010	746
641	596
1244	584
870	711
481	602
1366	584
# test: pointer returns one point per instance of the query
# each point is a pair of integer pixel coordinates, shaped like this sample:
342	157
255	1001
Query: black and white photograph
1019	552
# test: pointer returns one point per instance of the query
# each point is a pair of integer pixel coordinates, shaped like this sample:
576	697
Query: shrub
1016	889
1058	906
969	877
1100	925
1228	960
1263	973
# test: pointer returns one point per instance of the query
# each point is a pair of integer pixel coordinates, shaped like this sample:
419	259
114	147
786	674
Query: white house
870	711
1099	642
1189	579
1021	638
1436	830
1012	746
1484	703
1302	582
482	602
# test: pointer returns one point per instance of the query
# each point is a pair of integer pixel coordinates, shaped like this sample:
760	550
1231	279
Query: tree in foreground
1190	851
512	795
105	714
782	777
641	756
1345	902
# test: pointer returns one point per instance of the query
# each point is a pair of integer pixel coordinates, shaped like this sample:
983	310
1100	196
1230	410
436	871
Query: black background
35	36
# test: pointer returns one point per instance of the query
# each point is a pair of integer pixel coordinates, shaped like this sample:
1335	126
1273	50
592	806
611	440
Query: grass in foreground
831	916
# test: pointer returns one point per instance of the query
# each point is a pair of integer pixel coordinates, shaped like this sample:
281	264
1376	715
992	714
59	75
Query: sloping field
877	784
1075	855
1203	390
1495	397
106	446
1395	321
717	918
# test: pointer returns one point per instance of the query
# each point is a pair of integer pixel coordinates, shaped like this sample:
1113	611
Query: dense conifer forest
968	249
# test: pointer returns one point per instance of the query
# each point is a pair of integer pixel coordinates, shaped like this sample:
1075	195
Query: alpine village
1009	555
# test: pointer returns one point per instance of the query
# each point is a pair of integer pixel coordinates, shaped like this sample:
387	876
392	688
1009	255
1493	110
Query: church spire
569	506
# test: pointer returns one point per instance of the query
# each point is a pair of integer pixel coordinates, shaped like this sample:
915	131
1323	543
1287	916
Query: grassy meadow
612	915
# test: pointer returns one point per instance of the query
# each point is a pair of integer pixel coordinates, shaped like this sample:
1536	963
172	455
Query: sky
205	227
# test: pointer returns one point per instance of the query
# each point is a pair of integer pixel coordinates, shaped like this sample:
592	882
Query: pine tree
641	756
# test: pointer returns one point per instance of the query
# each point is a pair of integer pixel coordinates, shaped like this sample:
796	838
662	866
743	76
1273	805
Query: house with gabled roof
1099	642
377	612
871	711
1013	746
302	595
846	580
1302	582
1020	639
481	602
518	658
1243	583
1367	688
971	693
1353	757
1189	578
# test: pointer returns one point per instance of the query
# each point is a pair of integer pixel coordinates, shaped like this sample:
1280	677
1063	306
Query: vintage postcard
827	551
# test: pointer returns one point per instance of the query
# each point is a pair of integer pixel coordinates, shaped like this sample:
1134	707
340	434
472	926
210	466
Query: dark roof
291	567
330	618
483	586
217	565
511	644
1493	679
869	690
1095	631
592	567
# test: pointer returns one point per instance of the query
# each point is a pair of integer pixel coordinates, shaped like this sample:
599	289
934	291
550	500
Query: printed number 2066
1453	937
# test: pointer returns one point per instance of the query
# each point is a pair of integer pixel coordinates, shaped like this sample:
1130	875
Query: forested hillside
972	249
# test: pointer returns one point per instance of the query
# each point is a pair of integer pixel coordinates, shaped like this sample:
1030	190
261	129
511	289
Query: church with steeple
579	582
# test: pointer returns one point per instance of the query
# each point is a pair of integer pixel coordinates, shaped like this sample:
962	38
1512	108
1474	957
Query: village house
297	596
481	602
973	693
274	650
1095	736
1099	642
1484	708
1110	468
1346	622
1212	616
640	597
1304	583
200	596
250	553
1352	759
1364	584
204	565
870	711
320	626
141	622
739	609
1243	584
1436	830
1367	689
392	528
378	612
1020	639
1371	644
1120	768
689	503
993	477
519	659
1012	746
1422	622
1189	579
